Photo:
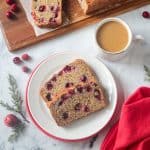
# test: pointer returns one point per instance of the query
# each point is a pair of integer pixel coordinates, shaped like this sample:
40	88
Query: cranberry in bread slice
47	13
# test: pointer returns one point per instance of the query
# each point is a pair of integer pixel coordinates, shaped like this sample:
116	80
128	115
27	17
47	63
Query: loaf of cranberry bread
47	13
72	74
89	6
77	102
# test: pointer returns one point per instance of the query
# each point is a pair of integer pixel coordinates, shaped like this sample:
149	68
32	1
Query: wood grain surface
19	33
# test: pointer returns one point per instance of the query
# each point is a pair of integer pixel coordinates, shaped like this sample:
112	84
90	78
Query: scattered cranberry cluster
17	60
146	14
13	8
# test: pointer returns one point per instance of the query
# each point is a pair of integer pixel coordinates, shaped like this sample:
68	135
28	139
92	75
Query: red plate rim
36	123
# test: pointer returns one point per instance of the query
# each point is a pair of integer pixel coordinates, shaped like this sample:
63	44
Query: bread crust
89	6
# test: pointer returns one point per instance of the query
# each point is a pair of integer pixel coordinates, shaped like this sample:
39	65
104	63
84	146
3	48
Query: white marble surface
128	72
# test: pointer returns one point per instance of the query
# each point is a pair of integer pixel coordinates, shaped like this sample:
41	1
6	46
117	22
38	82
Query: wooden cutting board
19	33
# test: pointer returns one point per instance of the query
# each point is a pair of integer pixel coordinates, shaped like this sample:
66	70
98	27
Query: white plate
81	128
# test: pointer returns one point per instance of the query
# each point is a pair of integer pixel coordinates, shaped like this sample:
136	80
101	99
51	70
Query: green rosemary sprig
16	99
16	132
147	73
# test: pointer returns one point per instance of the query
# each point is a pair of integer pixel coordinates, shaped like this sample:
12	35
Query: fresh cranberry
54	78
83	78
48	96
49	86
97	94
25	69
14	8
146	14
67	69
77	106
42	8
86	109
68	85
10	2
9	14
65	115
11	120
79	89
71	92
25	57
88	88
16	60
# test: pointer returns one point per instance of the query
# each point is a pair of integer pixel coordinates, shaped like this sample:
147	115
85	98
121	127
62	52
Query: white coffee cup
113	56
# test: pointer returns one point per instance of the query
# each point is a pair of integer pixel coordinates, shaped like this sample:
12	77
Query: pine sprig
16	132
16	98
147	73
15	94
7	106
16	107
93	140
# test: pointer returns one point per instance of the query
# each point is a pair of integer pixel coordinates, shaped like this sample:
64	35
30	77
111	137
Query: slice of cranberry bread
77	102
89	6
71	75
47	13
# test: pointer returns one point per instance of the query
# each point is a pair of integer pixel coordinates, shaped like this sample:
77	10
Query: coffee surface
112	36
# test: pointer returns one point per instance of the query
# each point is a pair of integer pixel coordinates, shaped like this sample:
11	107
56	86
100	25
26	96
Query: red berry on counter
25	69
11	120
16	60
25	57
9	14
146	14
14	7
10	2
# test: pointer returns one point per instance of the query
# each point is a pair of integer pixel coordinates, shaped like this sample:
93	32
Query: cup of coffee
113	38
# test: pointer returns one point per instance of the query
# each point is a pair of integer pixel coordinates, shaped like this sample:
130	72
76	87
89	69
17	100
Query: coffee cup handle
138	38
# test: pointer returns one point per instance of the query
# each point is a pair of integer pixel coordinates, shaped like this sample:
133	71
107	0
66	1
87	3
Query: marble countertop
128	72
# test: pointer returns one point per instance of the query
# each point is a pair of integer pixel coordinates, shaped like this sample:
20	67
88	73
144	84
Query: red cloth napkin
132	131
